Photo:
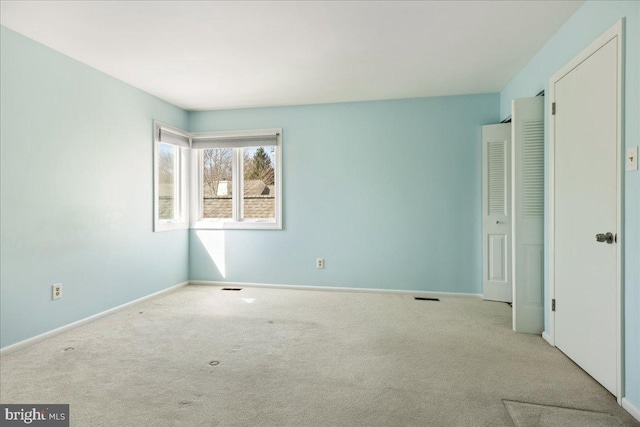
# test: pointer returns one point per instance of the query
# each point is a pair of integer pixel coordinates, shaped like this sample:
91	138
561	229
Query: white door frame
616	31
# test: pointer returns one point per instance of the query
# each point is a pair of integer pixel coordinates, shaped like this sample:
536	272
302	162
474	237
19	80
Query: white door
586	163
496	212
527	122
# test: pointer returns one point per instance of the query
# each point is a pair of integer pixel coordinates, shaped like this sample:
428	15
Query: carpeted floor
272	357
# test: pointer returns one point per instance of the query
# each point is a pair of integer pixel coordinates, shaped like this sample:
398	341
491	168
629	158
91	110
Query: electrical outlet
319	262
56	291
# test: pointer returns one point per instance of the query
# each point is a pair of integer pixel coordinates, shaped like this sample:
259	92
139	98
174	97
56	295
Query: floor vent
426	299
231	289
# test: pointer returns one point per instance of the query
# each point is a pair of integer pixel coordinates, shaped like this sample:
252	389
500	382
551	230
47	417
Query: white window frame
236	222
182	166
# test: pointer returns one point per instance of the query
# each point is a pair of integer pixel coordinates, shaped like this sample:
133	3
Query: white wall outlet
632	159
56	291
319	262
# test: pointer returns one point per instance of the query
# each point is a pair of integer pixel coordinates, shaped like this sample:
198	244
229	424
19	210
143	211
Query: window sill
232	225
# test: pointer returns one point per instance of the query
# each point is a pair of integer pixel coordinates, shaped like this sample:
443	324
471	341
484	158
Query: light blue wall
388	192
589	22
76	192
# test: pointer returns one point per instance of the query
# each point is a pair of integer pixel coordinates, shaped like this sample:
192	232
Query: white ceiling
214	55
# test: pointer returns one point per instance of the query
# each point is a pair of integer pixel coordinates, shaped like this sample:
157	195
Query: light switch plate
632	159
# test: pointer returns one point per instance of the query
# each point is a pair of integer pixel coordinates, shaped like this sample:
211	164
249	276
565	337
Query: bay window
235	179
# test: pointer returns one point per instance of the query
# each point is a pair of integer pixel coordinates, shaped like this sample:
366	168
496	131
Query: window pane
259	198
217	183
167	180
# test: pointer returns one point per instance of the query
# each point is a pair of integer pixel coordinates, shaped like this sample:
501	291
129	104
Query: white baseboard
547	338
39	338
330	288
630	408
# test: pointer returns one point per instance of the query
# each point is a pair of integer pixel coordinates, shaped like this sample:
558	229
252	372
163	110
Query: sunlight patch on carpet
530	414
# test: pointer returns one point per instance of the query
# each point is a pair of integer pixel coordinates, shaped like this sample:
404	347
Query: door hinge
553	305
553	108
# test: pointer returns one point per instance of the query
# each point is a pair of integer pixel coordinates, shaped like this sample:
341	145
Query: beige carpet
271	357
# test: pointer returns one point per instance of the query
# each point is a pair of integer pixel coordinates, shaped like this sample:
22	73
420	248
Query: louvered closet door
496	212
528	214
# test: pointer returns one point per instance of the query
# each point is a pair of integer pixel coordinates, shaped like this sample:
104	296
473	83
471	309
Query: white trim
330	288
552	206
235	225
50	334
631	408
195	190
279	194
547	338
620	29
238	183
616	31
